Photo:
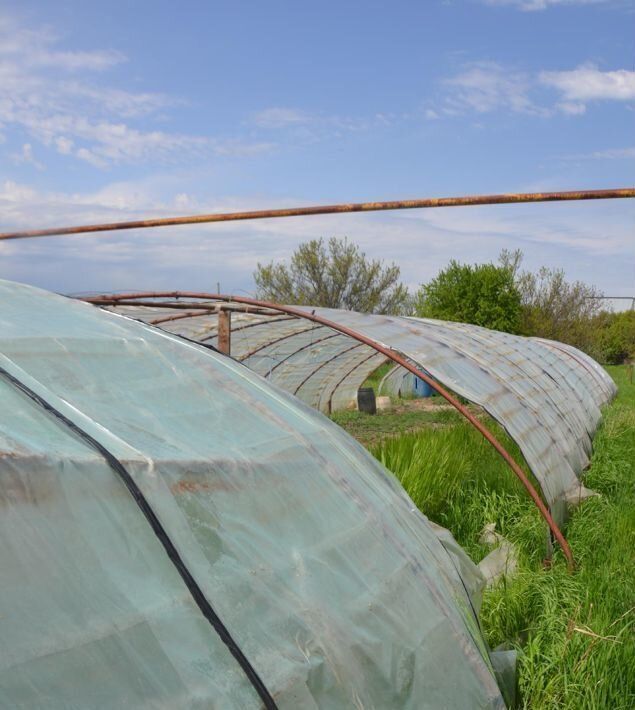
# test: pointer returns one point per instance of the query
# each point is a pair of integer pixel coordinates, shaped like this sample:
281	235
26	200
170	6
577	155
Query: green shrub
612	337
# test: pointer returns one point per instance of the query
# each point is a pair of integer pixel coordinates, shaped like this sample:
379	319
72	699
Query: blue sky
111	111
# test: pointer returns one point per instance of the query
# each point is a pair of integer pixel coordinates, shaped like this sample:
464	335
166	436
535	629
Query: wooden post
225	331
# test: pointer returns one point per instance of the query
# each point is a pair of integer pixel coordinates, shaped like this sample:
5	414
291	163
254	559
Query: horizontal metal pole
468	201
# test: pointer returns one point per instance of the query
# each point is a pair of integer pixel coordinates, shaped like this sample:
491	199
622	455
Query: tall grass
579	631
457	479
575	633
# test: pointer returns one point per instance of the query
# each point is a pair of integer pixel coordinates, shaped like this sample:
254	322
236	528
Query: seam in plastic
197	593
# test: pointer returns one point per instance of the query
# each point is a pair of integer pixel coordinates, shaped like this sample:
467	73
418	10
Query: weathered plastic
546	395
339	592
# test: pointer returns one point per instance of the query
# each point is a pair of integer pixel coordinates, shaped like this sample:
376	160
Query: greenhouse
546	395
234	550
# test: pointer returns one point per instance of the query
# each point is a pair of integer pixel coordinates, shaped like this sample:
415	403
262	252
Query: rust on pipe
390	354
244	326
509	198
178	316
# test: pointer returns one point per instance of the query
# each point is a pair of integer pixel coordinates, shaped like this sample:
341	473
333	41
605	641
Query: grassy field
575	633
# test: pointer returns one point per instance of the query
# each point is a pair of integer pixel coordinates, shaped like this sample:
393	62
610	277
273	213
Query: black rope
193	587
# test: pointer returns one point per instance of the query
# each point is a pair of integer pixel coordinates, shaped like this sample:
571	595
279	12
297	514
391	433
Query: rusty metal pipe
472	200
178	316
389	353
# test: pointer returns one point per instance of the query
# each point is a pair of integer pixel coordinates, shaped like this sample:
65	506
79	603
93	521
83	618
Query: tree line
502	296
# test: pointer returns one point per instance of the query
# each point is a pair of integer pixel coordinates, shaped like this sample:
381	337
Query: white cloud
483	87
571	108
36	48
533	5
588	83
608	154
45	93
26	156
64	145
304	127
74	61
488	86
615	153
122	103
280	117
12	192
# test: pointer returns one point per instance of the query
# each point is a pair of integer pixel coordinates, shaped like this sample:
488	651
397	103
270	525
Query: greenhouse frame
546	395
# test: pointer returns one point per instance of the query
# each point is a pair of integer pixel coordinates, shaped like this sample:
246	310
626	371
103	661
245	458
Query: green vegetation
335	274
374	379
458	480
405	417
612	337
575	633
542	303
552	307
483	294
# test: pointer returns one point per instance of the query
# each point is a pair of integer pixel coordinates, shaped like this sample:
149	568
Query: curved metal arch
135	298
324	364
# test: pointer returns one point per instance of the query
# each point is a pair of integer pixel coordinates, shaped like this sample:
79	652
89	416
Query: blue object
421	388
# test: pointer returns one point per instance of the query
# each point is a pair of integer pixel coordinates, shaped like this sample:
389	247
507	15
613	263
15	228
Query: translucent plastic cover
546	395
338	591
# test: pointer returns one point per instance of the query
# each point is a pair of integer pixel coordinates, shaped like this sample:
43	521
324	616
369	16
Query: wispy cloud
534	5
281	117
483	87
615	153
37	48
25	155
608	154
304	126
51	95
587	83
488	86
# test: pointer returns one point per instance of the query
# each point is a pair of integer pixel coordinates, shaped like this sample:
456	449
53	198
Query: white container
383	404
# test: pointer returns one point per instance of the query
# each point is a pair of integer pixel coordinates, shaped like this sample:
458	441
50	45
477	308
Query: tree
613	337
333	275
483	294
553	307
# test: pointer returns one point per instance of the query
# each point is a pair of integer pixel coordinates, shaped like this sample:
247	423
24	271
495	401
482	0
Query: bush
482	294
612	337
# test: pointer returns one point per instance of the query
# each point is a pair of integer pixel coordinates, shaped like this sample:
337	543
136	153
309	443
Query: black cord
193	587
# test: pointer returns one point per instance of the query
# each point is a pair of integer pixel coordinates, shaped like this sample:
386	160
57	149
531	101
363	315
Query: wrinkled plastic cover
546	395
336	588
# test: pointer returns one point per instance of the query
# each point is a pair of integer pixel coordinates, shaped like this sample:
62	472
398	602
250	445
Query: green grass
370	429
575	633
457	479
378	375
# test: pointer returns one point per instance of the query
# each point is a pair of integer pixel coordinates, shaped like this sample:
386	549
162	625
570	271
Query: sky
116	111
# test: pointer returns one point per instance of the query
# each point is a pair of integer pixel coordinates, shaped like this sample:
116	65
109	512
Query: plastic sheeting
546	395
399	382
337	589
